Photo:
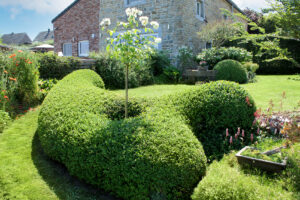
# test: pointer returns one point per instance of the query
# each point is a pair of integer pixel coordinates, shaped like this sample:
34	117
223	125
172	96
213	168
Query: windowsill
202	19
134	3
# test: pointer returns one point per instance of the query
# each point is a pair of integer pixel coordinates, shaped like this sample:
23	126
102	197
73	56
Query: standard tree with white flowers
130	46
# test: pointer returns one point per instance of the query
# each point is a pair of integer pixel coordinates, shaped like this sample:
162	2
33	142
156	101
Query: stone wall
79	23
177	18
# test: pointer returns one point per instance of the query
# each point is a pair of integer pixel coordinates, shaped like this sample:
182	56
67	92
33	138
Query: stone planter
259	163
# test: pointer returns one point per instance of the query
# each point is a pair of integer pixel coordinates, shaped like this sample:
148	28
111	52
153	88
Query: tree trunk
126	92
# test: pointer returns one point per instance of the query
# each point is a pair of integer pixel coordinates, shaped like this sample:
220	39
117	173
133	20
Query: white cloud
39	6
253	4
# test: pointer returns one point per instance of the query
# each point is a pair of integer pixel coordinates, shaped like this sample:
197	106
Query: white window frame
200	9
127	3
80	54
65	53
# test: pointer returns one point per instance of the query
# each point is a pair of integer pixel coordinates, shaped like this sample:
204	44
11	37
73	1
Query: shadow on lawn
58	179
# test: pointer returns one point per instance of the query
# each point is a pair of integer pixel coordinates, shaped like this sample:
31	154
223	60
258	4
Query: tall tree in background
289	12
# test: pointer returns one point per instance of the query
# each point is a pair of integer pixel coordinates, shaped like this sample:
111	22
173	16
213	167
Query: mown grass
265	89
26	173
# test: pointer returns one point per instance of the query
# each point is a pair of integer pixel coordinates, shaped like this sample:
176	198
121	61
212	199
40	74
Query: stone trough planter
259	163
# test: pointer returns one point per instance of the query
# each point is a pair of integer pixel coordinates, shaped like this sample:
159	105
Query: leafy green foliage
152	154
159	60
288	16
45	87
55	67
112	71
214	55
4	120
231	70
225	180
279	66
270	22
212	108
251	68
186	59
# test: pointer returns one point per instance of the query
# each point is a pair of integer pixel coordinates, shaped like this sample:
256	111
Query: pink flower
227	132
236	136
243	133
258	131
230	140
239	131
251	137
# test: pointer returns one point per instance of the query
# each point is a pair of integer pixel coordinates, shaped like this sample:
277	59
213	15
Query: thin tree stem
126	92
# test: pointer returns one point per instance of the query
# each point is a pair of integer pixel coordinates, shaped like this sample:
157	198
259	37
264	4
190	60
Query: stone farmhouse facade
77	31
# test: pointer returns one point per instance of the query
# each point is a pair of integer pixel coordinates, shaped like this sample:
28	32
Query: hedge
151	155
4	120
227	181
280	67
214	107
55	67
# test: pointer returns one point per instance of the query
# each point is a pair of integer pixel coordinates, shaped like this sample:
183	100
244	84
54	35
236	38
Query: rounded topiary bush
225	180
231	70
152	155
213	107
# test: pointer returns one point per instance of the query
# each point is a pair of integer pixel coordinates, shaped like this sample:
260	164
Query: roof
16	38
65	10
235	6
76	1
44	36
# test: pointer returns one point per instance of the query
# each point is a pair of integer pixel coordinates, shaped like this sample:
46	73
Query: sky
34	16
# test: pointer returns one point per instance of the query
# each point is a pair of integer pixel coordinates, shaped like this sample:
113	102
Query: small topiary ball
231	70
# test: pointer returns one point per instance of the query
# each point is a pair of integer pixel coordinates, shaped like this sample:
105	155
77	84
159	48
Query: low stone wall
192	75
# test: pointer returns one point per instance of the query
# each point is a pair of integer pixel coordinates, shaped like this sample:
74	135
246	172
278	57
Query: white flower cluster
105	22
144	20
133	12
157	40
155	24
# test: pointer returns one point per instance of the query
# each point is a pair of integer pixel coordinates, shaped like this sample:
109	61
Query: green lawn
265	89
27	174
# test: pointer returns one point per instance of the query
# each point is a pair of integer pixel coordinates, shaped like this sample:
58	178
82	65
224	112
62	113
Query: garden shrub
251	68
225	180
45	86
152	154
4	120
54	67
270	58
278	66
159	60
231	70
215	55
212	108
24	67
113	74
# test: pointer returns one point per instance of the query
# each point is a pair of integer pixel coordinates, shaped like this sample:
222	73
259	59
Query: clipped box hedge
152	155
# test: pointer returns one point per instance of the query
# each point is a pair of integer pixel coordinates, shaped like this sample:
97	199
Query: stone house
77	30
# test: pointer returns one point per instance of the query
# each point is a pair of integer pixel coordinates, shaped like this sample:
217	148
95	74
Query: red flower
20	51
257	113
6	97
29	62
5	72
236	136
12	55
243	133
230	140
17	64
12	79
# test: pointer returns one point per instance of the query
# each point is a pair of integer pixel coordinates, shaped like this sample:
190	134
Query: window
67	49
84	48
200	9
134	2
